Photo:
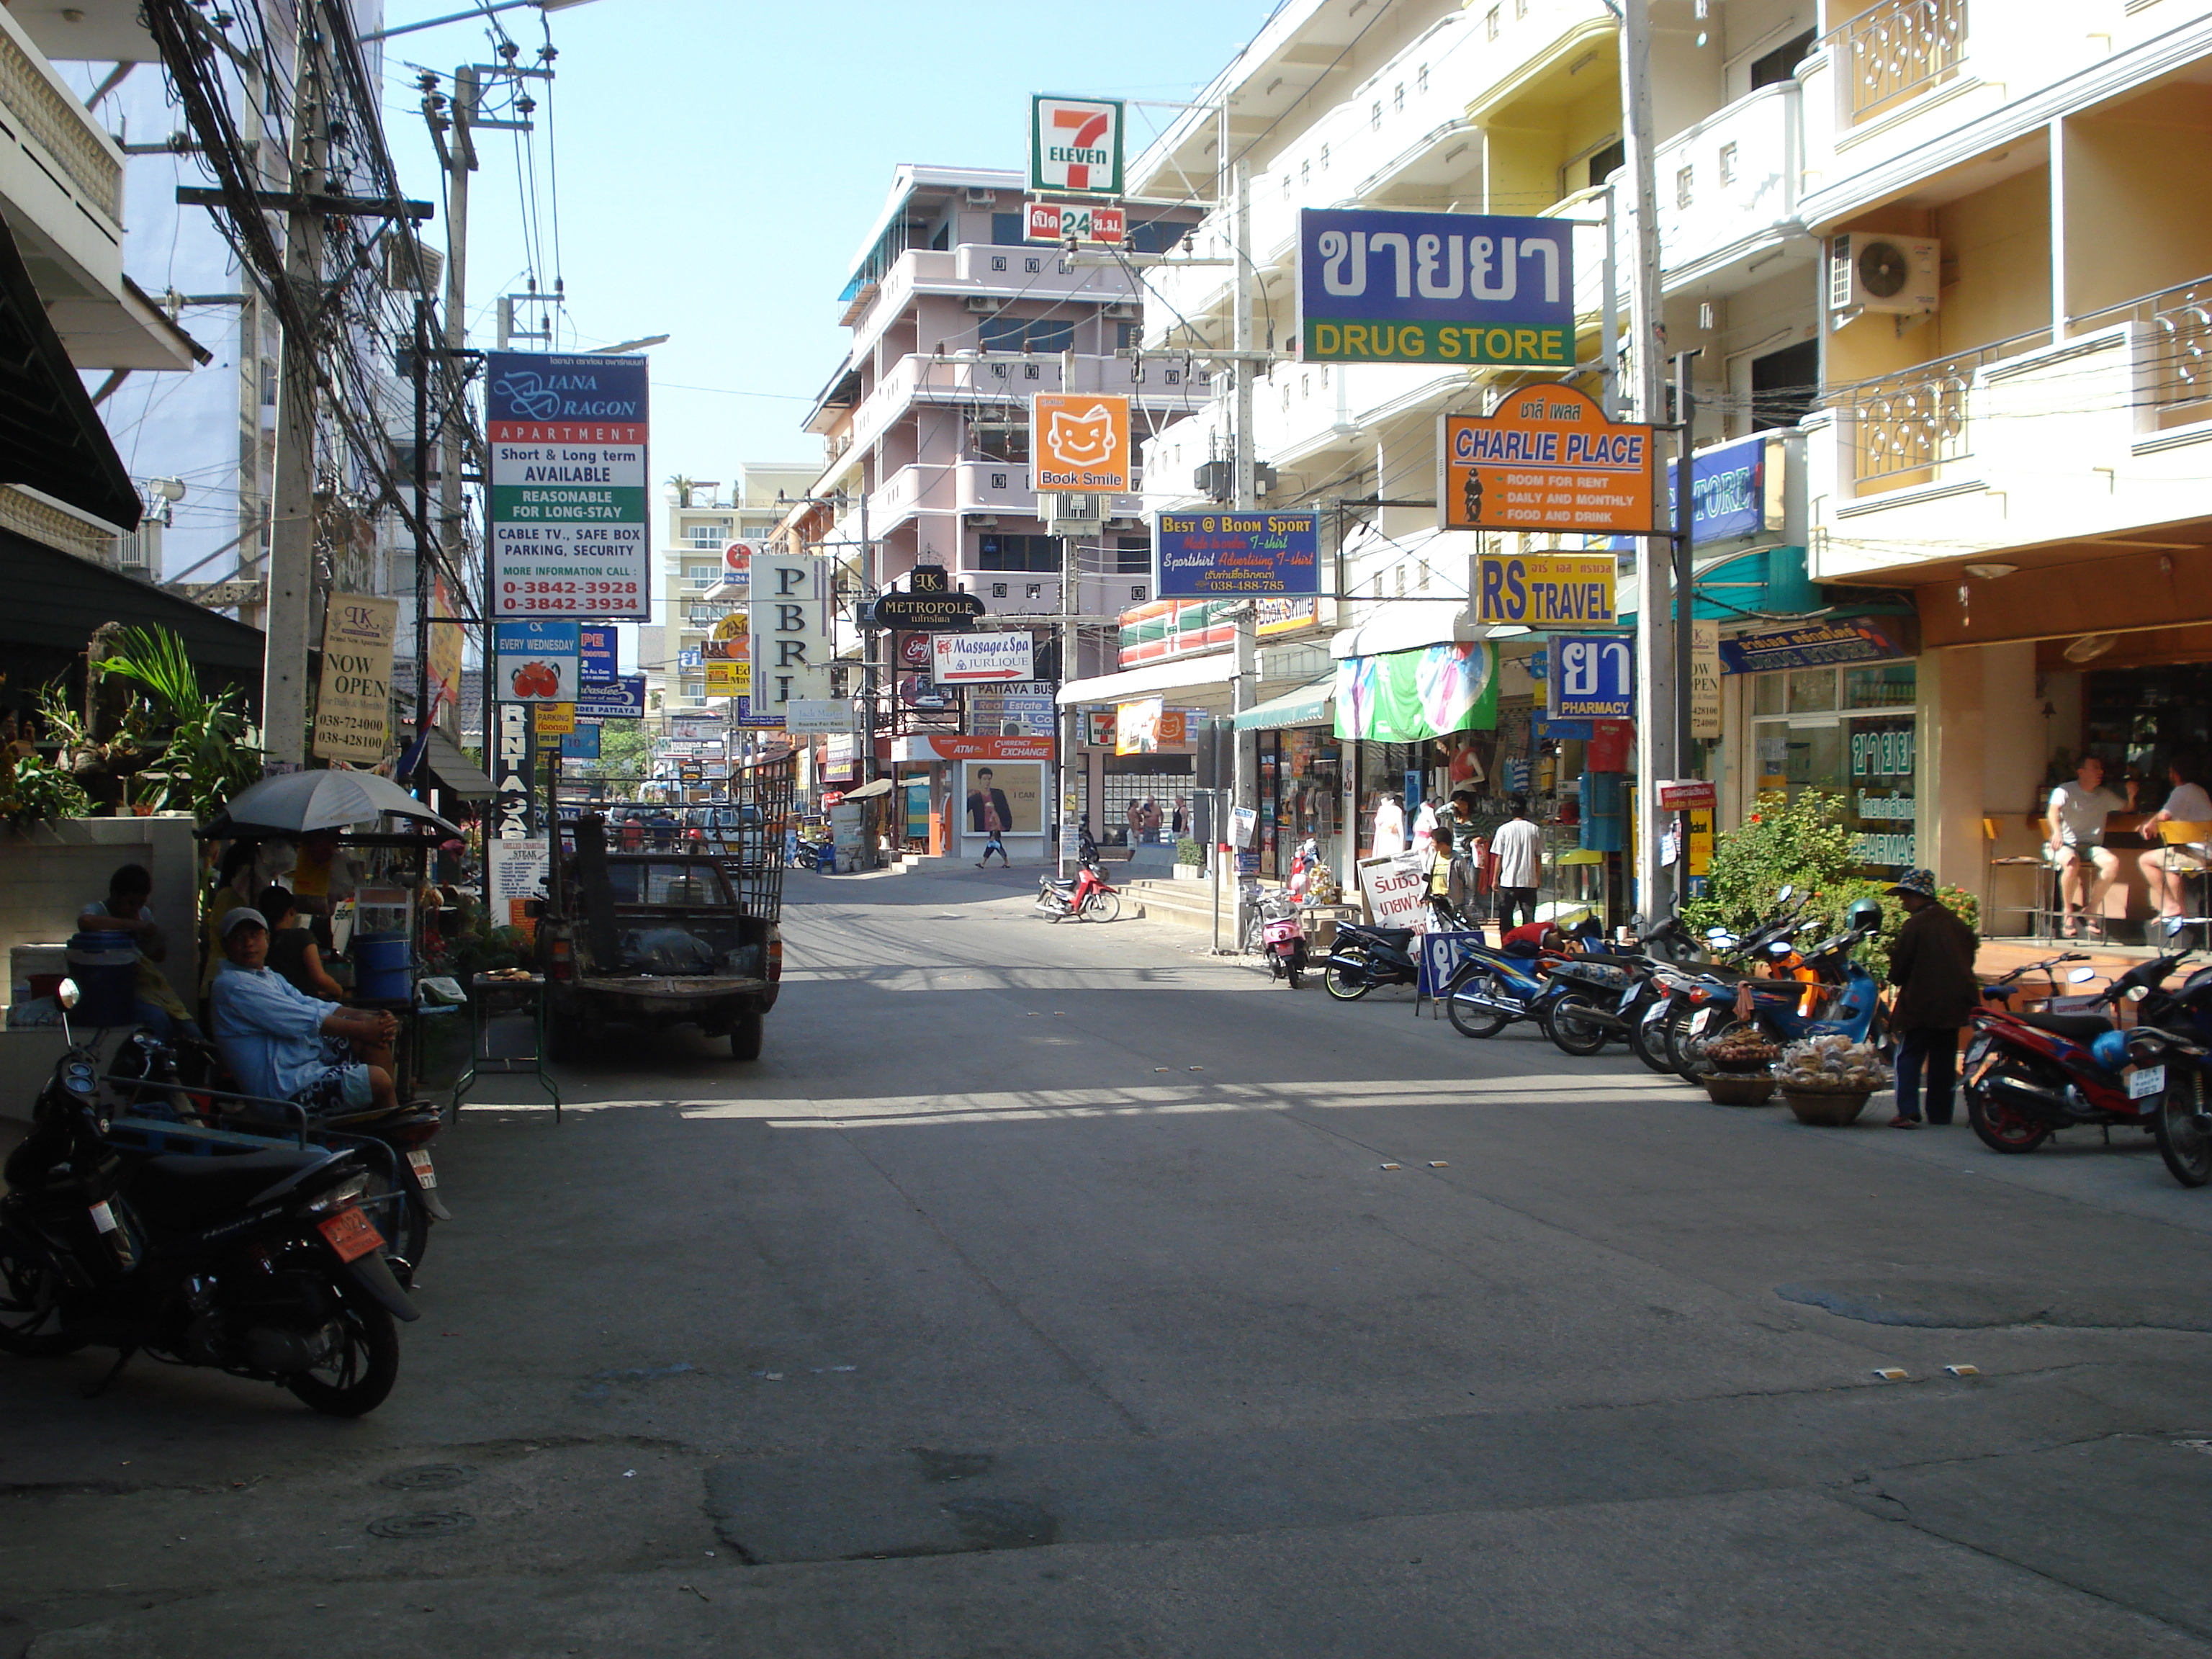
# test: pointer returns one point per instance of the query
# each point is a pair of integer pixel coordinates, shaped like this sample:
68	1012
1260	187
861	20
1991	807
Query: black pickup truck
652	940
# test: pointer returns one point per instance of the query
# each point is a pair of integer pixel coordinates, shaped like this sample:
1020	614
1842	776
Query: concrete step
1178	903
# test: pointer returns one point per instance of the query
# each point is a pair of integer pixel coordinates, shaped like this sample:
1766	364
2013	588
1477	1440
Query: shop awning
870	791
454	770
1310	705
1154	678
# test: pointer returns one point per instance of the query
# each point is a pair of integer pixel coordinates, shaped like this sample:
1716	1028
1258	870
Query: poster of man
1010	793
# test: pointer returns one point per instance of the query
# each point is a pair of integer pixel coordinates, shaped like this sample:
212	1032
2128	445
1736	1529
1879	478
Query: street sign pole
1245	483
1685	577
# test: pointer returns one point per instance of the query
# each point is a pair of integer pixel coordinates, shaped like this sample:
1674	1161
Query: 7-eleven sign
1075	146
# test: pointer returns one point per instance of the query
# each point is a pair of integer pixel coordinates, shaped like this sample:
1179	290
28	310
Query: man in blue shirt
284	1044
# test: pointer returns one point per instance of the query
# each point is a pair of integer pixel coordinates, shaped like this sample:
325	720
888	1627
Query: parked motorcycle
1276	930
1087	894
261	1265
2029	1074
1361	957
1491	990
1829	994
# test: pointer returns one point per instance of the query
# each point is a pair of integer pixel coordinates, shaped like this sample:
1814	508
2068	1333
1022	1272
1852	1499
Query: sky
718	166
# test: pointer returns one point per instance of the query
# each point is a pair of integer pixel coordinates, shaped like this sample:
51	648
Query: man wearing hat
1932	965
286	1045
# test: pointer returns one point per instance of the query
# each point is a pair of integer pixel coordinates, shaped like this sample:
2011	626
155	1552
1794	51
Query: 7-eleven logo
1075	145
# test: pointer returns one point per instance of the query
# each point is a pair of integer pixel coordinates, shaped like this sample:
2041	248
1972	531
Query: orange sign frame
1079	443
1548	459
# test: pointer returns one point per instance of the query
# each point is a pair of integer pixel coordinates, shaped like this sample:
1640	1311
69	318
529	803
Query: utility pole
1243	463
1686	413
1070	719
460	160
1656	757
292	534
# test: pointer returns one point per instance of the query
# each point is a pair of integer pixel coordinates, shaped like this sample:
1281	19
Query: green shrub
1189	852
1829	902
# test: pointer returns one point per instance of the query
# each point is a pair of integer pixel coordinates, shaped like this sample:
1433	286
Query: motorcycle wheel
2002	1129
363	1362
1573	1034
1102	906
1466	1019
407	1234
2183	1128
1641	1039
30	1289
1675	1033
1334	981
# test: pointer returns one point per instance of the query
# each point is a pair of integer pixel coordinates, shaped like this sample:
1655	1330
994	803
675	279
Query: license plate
1655	1013
1698	1023
2146	1081
351	1234
420	1162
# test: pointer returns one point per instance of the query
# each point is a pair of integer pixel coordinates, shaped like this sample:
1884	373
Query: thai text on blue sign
621	699
1817	645
1728	494
1435	287
598	645
1222	554
1595	679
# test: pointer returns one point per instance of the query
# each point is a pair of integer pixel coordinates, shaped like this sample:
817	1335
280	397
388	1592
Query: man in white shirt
1519	846
2074	823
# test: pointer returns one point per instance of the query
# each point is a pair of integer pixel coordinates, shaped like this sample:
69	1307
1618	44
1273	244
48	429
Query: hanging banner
514	806
1705	679
791	645
1548	459
1381	287
353	701
448	642
597	664
1080	442
1407	695
538	661
566	505
1228	554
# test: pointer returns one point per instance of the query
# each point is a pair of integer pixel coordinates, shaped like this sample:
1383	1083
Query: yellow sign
735	626
1548	459
1544	590
1080	442
353	706
729	679
553	719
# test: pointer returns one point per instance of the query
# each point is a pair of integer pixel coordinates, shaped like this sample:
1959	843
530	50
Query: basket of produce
1723	1089
1745	1051
1825	1080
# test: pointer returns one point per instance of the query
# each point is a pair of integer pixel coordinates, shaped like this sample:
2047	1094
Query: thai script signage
567	501
1381	286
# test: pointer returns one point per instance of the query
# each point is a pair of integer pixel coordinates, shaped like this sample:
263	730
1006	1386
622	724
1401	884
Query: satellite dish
1883	269
2090	647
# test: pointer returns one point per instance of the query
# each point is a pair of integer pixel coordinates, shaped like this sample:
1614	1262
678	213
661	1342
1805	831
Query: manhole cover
433	1525
428	1477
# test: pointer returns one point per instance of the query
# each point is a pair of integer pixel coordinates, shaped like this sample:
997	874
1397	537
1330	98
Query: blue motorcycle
1836	997
1491	990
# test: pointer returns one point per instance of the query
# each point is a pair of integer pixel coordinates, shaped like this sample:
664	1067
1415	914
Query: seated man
160	1009
284	1044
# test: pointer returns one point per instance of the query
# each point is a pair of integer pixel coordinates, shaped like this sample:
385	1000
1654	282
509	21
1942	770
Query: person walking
1932	965
1519	846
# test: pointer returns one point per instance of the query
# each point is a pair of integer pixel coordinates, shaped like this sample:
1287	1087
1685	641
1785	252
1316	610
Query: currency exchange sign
567	485
1381	287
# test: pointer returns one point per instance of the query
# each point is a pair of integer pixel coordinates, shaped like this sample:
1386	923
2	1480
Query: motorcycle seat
2078	1027
177	1191
1390	935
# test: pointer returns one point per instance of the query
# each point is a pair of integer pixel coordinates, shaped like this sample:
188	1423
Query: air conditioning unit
1125	311
976	197
1868	271
983	521
986	304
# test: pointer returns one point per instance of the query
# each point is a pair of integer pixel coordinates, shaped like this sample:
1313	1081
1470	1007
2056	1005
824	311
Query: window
1784	385
1421	79
1056	336
1490	24
1286	186
1305	173
1305	386
703	575
1035	591
1728	163
1520	8
1685	181
1398	98
1324	158
1133	556
1001	333
1006	230
1128	336
994	551
1375	117
1605	163
1781	64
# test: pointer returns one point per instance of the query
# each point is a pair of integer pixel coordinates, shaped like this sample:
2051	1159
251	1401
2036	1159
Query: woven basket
1826	1109
1726	1090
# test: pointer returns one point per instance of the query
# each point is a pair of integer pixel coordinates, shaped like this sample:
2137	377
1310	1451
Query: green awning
1310	705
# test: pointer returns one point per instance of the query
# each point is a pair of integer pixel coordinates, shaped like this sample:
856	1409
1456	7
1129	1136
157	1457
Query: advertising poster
353	703
1396	888
1410	695
538	661
1224	555
553	719
1548	459
1012	791
1377	286
974	658
567	485
1080	442
515	871
598	656
621	699
1137	726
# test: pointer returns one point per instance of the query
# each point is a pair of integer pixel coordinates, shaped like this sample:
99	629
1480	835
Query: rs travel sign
1381	286
1534	590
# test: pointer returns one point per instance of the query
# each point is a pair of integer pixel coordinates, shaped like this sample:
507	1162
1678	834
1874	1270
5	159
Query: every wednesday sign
568	498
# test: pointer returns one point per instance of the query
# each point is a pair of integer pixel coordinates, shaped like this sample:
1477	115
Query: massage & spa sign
567	436
1227	554
1381	286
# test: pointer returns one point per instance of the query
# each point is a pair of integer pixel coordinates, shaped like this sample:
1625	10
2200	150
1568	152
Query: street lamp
628	346
479	11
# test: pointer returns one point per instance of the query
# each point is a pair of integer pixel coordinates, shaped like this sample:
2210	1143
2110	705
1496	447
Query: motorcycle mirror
2137	993
67	993
1717	933
1789	888
2080	975
1779	948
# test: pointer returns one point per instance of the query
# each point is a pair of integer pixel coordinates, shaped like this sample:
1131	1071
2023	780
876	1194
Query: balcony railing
1900	428
1901	47
2179	348
60	126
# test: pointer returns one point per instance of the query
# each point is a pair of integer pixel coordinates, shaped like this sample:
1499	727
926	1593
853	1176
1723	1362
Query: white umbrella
297	802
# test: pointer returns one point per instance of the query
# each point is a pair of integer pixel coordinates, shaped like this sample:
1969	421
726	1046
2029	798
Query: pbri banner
568	477
1222	554
790	642
1378	287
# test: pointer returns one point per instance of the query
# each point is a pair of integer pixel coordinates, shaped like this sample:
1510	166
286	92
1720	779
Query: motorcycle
1491	990
261	1265
1361	957
1088	894
2028	1074
178	1081
1829	994
1276	932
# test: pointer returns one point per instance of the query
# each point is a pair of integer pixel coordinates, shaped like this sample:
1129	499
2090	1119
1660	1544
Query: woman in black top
292	952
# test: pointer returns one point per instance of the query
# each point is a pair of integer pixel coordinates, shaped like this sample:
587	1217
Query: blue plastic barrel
106	968
380	965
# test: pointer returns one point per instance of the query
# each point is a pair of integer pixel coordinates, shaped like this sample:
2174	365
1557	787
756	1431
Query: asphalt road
1062	1292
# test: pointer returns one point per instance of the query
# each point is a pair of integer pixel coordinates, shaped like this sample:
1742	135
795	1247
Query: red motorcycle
2029	1074
1090	895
